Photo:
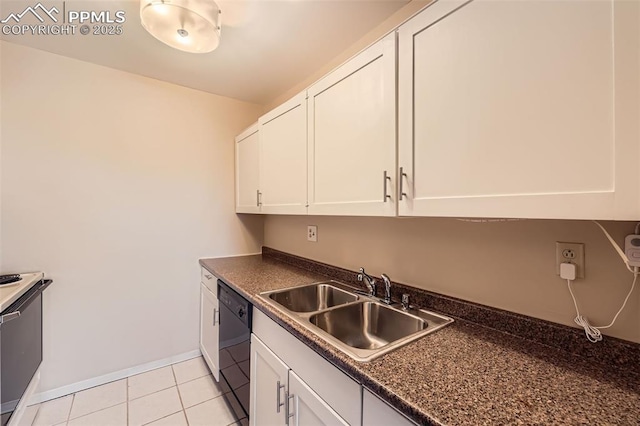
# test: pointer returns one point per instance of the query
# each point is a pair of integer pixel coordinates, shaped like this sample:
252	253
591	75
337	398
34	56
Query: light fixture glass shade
188	25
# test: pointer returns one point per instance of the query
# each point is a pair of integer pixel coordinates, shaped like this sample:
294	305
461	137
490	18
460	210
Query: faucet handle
361	274
405	301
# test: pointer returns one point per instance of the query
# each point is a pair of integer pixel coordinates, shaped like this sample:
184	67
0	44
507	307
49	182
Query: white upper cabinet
519	109
248	171
283	158
352	136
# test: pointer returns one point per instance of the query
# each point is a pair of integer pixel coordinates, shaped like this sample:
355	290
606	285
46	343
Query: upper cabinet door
283	158
520	109
248	171
352	136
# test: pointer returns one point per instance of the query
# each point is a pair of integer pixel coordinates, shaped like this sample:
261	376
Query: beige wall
509	265
378	32
115	185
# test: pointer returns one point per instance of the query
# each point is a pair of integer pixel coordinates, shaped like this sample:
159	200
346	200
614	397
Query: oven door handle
14	311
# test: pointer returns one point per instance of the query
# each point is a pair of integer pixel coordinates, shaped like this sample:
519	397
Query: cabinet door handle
384	182
258	198
278	403
208	276
401	191
216	311
290	414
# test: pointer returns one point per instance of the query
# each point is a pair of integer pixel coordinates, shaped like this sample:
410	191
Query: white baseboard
111	377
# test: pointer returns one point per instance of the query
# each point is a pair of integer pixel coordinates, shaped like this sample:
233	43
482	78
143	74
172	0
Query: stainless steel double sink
361	326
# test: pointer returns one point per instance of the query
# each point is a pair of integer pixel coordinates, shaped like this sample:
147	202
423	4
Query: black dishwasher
235	341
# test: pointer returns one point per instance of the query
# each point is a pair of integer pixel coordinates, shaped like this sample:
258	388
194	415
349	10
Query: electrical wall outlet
312	233
571	253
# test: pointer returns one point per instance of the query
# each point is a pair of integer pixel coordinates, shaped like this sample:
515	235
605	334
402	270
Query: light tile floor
183	394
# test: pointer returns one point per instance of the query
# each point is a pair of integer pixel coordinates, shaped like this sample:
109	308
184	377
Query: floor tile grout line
184	410
150	393
73	398
196	378
96	411
163	417
202	402
126	380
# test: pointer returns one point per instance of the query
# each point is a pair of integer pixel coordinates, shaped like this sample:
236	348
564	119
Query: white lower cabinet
269	383
280	397
307	408
376	412
311	389
209	329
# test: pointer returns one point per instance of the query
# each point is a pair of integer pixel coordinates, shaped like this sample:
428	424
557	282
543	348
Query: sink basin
367	325
361	326
311	298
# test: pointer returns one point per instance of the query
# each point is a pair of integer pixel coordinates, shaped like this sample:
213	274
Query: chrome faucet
387	289
368	280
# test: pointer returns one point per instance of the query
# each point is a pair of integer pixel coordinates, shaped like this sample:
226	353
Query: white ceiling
267	46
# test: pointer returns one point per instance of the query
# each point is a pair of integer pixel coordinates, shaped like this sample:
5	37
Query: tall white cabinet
283	158
248	171
520	109
352	136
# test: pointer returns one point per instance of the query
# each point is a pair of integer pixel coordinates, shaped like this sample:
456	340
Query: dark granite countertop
464	374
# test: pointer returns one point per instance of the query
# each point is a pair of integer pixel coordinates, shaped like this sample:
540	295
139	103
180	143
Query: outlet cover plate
570	252
312	233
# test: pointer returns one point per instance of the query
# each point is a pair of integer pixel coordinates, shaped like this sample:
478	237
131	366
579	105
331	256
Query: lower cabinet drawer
339	391
209	280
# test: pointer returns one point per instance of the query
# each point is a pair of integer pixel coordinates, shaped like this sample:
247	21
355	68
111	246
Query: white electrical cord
592	332
615	245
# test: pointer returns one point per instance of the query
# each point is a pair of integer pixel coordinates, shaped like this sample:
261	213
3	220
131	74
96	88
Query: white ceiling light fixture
188	25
